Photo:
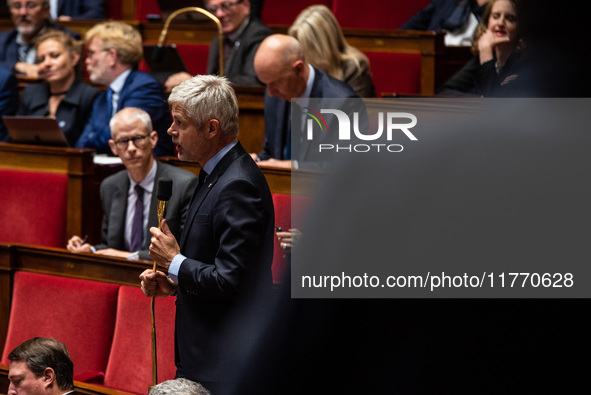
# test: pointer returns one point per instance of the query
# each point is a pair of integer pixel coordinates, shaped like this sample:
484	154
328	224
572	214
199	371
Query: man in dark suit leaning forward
133	140
226	248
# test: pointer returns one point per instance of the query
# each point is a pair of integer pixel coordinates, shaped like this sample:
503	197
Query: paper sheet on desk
107	160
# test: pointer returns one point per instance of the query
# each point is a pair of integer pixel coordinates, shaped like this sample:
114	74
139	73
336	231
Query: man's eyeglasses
29	5
138	141
225	6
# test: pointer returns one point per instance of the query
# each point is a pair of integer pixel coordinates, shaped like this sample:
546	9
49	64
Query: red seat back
395	72
279	12
79	313
380	15
280	265
130	362
34	204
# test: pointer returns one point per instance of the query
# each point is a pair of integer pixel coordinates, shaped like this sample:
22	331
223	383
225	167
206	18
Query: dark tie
202	178
137	226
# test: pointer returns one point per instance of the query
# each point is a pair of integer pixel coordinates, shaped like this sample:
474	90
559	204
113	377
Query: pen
84	240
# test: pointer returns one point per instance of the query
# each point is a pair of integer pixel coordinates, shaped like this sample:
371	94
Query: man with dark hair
40	366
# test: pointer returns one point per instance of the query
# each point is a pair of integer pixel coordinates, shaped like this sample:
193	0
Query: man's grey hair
129	115
206	97
180	386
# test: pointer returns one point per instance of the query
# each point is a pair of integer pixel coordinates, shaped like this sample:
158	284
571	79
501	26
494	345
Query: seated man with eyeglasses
242	36
127	219
31	18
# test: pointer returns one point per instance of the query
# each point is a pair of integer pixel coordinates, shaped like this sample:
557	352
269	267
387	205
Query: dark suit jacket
9	47
435	14
228	242
81	9
239	68
277	116
8	98
140	90
114	198
73	112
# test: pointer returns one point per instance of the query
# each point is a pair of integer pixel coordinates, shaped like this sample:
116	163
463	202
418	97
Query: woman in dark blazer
61	94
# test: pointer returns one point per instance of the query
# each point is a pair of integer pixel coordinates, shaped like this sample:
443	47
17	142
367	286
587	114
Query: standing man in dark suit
113	51
133	140
280	64
226	249
41	366
242	36
30	19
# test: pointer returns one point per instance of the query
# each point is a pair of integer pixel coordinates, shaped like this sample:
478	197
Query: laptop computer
35	130
170	62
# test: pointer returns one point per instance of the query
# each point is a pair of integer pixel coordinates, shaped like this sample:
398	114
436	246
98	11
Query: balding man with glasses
242	36
30	18
129	197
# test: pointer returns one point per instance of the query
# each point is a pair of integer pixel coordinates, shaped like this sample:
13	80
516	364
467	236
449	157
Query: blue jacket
9	47
8	98
81	9
140	90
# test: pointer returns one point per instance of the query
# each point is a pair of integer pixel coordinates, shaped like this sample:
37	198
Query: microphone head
164	191
158	53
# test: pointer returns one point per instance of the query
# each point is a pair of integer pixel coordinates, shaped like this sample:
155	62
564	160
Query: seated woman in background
325	48
498	48
61	94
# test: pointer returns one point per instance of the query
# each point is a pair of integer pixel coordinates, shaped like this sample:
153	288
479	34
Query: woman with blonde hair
325	48
61	94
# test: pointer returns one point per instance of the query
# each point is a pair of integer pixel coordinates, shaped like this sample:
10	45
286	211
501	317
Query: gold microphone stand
161	215
164	32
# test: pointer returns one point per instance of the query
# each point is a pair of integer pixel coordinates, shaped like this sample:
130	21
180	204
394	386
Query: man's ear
153	138
48	377
113	147
213	128
298	66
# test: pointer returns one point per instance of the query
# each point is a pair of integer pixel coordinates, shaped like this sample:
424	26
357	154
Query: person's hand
164	246
487	43
27	69
77	244
176	79
113	252
156	283
283	163
254	156
66	18
288	238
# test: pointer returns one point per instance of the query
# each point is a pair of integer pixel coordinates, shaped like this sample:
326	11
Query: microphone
158	53
163	193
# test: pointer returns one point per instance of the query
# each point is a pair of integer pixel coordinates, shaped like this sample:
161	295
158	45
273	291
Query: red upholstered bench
395	72
79	313
130	362
33	208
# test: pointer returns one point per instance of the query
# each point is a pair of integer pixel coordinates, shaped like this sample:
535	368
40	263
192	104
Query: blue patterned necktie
137	226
